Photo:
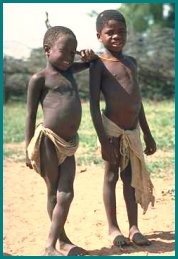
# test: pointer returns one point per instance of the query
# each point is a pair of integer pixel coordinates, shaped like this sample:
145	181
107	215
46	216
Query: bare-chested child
115	75
50	148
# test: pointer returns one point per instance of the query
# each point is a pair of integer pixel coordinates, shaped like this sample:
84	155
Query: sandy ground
26	222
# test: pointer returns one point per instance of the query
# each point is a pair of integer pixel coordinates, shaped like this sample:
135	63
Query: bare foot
50	251
71	250
137	238
140	240
118	239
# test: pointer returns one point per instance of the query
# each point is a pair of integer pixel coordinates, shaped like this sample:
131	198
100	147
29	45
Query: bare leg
129	196
131	206
65	195
49	168
109	197
59	182
51	203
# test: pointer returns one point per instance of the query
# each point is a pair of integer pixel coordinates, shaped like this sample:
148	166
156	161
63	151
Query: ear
98	36
47	49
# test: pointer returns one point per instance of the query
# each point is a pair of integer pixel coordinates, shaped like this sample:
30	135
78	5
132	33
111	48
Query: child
51	147
115	75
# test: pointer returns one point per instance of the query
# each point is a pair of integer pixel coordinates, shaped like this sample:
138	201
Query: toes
140	240
77	251
51	252
121	241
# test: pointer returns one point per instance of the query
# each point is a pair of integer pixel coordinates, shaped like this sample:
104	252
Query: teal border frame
1	95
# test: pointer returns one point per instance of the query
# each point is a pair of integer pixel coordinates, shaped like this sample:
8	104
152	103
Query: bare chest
124	76
60	84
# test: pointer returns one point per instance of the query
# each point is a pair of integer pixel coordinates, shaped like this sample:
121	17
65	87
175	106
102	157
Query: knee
65	198
52	199
111	177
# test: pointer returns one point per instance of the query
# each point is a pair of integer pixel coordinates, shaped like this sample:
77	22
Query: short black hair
52	34
107	15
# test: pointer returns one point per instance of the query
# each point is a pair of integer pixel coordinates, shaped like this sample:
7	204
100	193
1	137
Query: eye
122	32
61	50
109	33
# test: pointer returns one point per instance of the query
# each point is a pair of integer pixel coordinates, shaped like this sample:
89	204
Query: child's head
107	15
111	29
60	45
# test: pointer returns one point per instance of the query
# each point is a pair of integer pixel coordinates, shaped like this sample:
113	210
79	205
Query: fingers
86	54
150	151
77	52
29	165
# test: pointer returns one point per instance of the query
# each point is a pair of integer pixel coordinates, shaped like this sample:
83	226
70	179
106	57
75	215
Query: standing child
51	147
115	75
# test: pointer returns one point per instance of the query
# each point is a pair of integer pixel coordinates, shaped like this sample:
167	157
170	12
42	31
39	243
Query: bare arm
80	66
149	140
107	148
33	98
86	55
95	84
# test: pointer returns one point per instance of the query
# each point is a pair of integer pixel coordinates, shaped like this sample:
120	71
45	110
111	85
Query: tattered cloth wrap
63	148
131	149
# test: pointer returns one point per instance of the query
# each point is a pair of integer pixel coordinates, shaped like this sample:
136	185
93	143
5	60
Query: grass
160	116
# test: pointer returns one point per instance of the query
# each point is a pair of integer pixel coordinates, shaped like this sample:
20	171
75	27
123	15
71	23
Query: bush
155	56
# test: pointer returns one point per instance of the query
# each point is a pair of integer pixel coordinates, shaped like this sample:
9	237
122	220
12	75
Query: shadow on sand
158	246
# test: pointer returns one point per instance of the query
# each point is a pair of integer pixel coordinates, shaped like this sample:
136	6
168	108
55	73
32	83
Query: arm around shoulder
87	56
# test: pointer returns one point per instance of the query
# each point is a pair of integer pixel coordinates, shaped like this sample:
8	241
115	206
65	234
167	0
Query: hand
110	151
150	145
87	55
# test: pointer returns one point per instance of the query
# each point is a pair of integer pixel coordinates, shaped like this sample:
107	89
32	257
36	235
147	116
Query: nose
116	36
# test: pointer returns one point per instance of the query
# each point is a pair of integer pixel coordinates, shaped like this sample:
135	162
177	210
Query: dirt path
26	222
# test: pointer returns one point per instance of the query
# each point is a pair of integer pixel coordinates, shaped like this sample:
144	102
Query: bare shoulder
131	59
38	76
96	65
131	62
37	80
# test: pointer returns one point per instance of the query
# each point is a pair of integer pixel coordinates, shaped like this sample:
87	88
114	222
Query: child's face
113	35
61	54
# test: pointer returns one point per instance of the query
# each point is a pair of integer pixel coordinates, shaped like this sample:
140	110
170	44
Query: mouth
68	63
65	65
117	43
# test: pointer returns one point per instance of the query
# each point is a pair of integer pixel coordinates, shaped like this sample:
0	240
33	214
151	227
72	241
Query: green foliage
160	167
88	159
161	118
141	17
82	80
18	72
151	42
154	53
36	61
14	114
13	122
15	155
